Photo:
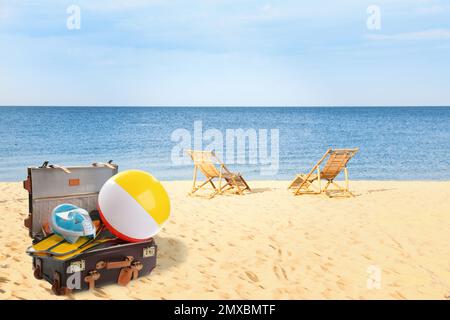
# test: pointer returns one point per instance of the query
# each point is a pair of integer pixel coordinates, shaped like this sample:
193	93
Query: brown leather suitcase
114	261
118	262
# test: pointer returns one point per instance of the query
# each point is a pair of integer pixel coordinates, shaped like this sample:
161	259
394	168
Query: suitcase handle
129	270
56	166
108	164
108	265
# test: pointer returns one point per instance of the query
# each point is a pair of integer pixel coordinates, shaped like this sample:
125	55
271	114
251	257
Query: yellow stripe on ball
147	191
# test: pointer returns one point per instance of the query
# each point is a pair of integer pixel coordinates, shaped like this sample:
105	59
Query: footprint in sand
367	257
323	268
215	286
225	296
11	244
341	284
327	294
253	277
398	295
277	274
278	294
284	273
100	293
4	280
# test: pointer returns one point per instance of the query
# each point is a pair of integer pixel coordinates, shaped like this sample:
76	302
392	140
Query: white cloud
433	34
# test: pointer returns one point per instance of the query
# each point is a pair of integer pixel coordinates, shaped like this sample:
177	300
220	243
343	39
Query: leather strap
55	166
119	264
125	276
91	278
27	184
27	222
103	164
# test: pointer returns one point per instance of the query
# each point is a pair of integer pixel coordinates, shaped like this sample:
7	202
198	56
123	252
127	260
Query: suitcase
113	261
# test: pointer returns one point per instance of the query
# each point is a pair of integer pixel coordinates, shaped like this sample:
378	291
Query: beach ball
133	205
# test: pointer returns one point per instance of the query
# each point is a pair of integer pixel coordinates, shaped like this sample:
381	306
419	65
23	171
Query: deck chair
337	161
212	168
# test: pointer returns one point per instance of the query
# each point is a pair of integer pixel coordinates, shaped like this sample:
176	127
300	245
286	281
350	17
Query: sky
225	53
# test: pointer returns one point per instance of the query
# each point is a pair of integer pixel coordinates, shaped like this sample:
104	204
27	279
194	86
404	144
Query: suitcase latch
136	267
148	252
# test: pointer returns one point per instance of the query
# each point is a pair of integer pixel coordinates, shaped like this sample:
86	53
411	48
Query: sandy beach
269	244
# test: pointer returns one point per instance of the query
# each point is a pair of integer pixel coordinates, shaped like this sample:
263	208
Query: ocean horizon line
226	106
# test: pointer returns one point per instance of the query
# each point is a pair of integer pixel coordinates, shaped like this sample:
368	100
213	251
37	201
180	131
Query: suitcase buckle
136	267
91	278
129	273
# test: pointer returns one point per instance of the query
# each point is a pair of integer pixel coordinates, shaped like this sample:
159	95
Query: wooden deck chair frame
207	165
303	184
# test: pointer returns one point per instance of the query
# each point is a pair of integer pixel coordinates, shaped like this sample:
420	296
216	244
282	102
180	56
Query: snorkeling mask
71	223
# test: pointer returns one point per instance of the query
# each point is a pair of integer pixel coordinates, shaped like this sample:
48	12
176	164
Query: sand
271	245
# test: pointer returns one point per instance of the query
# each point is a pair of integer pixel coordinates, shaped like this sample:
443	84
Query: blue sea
395	143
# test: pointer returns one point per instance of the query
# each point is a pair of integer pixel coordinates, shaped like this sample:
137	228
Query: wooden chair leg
220	179
226	187
338	186
294	181
308	188
196	188
212	195
344	190
318	179
194	179
246	185
346	179
237	187
303	183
